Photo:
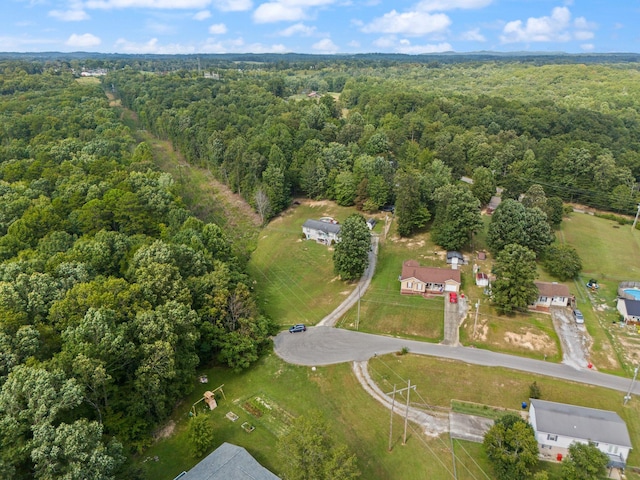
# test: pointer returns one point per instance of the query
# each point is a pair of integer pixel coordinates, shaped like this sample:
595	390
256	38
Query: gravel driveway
574	338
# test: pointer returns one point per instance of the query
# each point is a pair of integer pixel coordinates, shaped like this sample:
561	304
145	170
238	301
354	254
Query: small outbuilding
482	279
371	223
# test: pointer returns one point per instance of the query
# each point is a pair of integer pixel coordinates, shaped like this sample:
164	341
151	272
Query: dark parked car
300	327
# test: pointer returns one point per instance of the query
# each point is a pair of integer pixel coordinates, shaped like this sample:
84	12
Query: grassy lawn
294	278
354	417
438	381
384	310
609	253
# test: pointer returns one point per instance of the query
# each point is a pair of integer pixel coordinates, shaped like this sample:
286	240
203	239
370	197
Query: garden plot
267	413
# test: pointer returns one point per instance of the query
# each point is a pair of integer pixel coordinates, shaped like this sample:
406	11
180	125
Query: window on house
542	299
409	284
553	438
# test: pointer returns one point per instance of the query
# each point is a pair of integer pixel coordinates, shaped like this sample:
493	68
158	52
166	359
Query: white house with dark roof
228	462
419	280
322	232
558	425
629	309
551	294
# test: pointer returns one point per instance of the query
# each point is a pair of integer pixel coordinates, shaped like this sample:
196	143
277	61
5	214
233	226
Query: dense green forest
112	293
379	135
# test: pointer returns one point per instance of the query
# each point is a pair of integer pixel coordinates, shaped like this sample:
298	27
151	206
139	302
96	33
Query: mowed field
293	277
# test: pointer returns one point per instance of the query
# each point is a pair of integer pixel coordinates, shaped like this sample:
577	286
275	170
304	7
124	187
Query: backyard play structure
209	398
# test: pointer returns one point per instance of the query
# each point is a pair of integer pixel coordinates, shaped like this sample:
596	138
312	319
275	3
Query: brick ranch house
417	280
551	294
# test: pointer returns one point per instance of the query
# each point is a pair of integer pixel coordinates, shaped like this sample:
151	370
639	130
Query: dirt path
574	338
209	199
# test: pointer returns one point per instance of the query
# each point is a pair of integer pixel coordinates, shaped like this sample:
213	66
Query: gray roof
229	462
581	423
632	306
322	226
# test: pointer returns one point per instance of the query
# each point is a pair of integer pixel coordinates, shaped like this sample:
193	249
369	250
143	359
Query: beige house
417	280
552	294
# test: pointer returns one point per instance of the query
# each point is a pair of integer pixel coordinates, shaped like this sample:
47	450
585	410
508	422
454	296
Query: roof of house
481	276
229	462
554	289
581	423
412	269
322	226
453	254
632	306
494	202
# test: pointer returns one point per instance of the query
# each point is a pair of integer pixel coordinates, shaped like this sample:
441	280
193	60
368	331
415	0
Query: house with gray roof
629	309
558	425
228	462
322	232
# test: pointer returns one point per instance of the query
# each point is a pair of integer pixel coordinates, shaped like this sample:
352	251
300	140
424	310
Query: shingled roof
554	289
229	462
412	269
325	227
580	422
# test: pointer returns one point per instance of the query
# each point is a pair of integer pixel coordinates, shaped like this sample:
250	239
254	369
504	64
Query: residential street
325	345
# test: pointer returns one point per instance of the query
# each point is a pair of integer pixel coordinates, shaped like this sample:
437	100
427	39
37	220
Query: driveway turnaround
325	346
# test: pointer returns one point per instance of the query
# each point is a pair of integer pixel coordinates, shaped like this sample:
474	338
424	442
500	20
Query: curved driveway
325	345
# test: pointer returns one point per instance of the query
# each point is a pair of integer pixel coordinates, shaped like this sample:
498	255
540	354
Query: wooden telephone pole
406	411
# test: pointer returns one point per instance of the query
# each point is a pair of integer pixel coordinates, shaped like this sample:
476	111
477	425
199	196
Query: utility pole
475	322
393	402
358	317
406	413
627	397
636	219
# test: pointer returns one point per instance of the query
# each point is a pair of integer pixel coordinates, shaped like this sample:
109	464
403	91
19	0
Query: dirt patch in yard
166	431
529	340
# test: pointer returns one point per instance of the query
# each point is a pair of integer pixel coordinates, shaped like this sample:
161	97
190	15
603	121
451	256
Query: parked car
300	327
453	297
577	314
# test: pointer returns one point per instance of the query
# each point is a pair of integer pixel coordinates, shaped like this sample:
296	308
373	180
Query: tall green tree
484	185
201	434
584	462
411	210
515	269
309	452
457	217
351	254
512	448
562	261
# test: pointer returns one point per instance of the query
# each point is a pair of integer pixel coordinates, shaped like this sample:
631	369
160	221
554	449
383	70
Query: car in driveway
577	315
453	297
300	327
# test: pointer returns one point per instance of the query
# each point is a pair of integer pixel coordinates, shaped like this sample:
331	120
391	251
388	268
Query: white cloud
24	43
325	46
152	46
409	23
354	44
473	36
297	29
587	46
202	15
237	45
72	15
444	5
391	43
158	4
233	5
218	29
83	41
159	28
583	35
541	29
277	12
286	10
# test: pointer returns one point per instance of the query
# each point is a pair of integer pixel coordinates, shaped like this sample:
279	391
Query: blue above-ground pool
634	292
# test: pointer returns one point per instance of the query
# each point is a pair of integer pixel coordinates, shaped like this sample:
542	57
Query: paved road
331	319
325	346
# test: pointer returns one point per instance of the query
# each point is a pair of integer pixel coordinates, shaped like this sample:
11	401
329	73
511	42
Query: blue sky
319	26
